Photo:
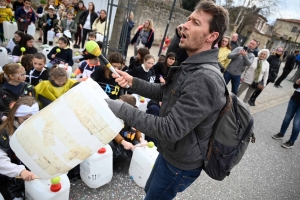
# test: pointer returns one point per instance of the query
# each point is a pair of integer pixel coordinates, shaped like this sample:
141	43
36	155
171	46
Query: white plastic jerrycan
31	29
141	164
50	35
9	29
97	170
46	189
67	68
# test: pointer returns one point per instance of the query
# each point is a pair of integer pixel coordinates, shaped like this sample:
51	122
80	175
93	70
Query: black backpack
231	134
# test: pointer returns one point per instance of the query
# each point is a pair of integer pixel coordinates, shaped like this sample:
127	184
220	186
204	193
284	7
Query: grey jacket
72	27
238	62
196	108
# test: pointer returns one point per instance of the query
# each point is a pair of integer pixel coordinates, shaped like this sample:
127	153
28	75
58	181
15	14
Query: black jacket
274	62
149	40
290	62
84	15
7	96
65	55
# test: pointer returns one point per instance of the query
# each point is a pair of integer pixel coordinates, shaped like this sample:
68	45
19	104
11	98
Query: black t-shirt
110	86
140	73
17	51
33	77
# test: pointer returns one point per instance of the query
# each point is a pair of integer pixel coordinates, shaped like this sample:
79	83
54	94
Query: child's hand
27	175
78	61
162	80
143	142
4	118
53	56
127	145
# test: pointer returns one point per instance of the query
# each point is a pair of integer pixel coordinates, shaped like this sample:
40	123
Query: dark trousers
2	33
84	35
284	74
256	93
45	37
78	36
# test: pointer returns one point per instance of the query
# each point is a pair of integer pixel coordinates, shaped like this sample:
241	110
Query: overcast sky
290	9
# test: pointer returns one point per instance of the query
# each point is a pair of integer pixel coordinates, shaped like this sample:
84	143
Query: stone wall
159	12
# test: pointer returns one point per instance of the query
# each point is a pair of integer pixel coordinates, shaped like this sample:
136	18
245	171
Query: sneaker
277	136
76	46
288	144
251	102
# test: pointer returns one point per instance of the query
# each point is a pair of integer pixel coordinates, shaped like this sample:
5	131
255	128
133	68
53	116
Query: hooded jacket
238	62
194	110
249	73
65	55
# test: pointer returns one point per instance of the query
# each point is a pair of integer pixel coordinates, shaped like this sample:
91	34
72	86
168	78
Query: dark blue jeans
166	180
293	111
235	81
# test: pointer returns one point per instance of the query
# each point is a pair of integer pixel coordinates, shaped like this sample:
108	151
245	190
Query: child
145	71
103	76
49	22
18	4
68	25
39	72
87	67
40	11
26	62
5	15
26	42
12	86
92	36
25	16
14	41
10	165
61	54
139	59
58	84
85	55
127	137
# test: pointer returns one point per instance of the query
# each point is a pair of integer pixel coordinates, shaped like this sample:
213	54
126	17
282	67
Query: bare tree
247	10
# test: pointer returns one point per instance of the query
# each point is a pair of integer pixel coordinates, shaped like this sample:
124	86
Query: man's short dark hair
220	18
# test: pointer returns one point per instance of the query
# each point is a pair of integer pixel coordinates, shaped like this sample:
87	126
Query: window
294	29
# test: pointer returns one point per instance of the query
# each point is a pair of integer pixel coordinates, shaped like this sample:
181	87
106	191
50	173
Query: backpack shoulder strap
206	66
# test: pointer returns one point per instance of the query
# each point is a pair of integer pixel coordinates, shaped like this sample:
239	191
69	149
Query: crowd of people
172	117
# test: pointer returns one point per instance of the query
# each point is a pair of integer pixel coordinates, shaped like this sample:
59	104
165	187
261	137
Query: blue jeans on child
166	180
235	81
293	111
